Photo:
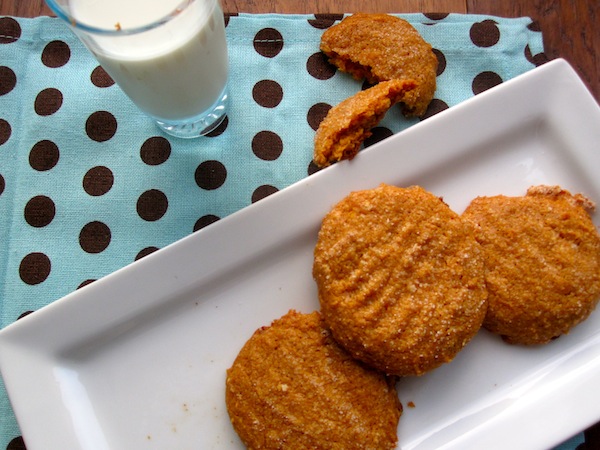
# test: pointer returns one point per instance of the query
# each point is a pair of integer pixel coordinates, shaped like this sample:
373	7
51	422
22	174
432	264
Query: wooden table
568	27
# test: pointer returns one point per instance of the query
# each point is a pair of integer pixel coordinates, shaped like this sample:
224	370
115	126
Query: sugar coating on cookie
292	386
382	47
349	123
400	279
542	254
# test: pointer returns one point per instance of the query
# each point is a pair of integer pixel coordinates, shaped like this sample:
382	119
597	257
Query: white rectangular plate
137	360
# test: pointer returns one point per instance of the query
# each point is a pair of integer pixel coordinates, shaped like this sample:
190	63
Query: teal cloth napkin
88	184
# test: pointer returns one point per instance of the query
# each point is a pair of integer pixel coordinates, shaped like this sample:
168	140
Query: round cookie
400	279
349	123
381	47
542	254
292	386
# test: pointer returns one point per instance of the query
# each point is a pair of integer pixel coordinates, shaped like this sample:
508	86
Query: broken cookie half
381	47
349	123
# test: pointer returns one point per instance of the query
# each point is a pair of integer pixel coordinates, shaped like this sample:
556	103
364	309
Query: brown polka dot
436	16
267	93
435	106
56	54
268	42
220	129
155	150
44	155
205	221
316	114
152	205
2	184
322	21
35	268
100	78
84	283
39	211
210	175
484	81
16	444
319	67
227	17
98	181
94	237
312	168
24	314
145	252
8	80
441	61
366	85
5	131
536	60
263	191
101	126
485	34
267	145
10	30
48	102
378	134
534	26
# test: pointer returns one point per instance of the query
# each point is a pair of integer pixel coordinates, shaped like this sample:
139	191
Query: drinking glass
168	56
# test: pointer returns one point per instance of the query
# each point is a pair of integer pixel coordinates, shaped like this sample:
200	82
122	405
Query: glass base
200	125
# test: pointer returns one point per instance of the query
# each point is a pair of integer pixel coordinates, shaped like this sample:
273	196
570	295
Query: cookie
349	123
542	254
381	47
292	386
400	279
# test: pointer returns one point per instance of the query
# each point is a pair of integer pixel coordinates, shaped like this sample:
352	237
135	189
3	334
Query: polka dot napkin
88	184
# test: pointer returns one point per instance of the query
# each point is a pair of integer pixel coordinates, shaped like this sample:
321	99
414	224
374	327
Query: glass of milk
168	56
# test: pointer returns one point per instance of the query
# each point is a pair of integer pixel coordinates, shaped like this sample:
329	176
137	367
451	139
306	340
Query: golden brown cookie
382	47
292	387
349	123
542	254
400	279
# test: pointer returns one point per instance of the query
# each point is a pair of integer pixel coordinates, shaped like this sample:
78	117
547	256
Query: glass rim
78	25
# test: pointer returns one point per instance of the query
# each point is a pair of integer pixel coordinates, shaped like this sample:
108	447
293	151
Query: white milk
173	72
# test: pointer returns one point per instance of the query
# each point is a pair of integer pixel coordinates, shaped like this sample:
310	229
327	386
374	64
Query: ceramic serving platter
137	360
